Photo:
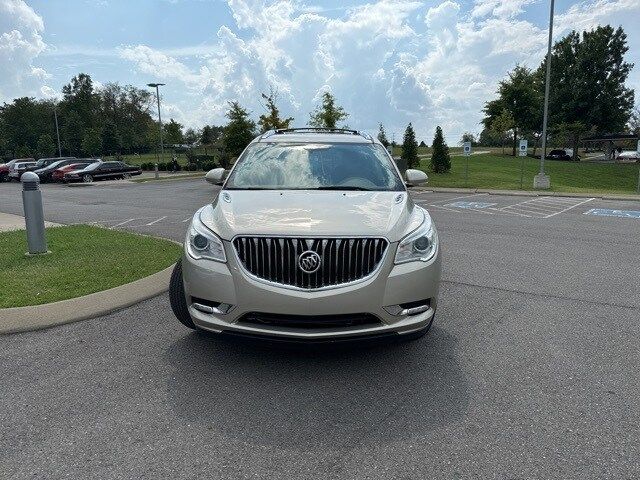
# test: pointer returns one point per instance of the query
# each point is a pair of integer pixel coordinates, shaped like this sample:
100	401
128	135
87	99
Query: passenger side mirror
216	176
415	177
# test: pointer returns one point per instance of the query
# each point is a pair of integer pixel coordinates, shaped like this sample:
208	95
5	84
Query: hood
311	213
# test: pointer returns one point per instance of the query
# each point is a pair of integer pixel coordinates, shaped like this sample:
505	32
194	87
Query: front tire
86	178
177	298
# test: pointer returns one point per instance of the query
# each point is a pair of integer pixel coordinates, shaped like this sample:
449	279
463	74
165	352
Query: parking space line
123	223
502	210
567	209
156	221
465	196
186	220
443	208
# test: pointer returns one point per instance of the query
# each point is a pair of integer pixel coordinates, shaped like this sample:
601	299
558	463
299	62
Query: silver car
313	237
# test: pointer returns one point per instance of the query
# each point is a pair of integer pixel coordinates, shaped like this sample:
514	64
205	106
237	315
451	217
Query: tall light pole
55	115
157	87
542	180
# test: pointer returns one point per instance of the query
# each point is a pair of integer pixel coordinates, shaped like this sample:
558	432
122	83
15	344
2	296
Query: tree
440	158
271	120
92	142
80	97
238	133
191	136
410	148
422	144
211	134
467	137
328	114
520	94
501	125
73	132
111	140
588	75
634	121
46	147
172	134
382	136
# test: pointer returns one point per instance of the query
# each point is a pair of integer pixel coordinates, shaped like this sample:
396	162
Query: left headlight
419	245
203	243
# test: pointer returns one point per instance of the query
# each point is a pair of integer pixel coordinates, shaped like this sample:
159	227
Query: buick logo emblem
309	261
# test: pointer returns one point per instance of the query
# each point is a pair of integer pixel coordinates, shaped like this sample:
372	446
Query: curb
527	193
37	317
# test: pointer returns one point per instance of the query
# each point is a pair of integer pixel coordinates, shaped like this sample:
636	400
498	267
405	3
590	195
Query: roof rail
318	130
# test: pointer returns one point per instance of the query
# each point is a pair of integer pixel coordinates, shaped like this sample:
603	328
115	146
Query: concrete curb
37	317
527	193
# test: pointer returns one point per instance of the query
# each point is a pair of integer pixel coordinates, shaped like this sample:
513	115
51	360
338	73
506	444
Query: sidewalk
531	193
16	222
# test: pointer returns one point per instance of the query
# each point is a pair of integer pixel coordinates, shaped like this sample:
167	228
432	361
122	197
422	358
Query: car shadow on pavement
329	398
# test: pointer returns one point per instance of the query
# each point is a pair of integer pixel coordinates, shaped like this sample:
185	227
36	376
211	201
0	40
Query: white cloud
380	62
20	43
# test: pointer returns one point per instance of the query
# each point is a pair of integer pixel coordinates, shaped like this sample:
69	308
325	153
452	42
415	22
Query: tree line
587	93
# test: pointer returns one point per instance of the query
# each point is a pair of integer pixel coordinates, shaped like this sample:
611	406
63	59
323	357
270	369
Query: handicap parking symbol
606	212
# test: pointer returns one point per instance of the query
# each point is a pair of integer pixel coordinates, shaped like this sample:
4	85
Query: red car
5	167
58	175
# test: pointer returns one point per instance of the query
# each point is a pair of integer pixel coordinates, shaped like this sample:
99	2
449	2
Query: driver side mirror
415	177
216	176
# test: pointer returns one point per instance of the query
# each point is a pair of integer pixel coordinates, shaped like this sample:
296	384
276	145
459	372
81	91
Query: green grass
503	173
83	260
177	176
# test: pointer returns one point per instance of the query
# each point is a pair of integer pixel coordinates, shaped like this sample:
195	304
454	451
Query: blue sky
391	61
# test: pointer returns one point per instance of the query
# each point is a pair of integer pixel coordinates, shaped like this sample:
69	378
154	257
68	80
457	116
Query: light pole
542	180
157	87
55	115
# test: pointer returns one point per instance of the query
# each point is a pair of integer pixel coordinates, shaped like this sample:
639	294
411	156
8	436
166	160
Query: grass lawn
178	176
503	173
83	260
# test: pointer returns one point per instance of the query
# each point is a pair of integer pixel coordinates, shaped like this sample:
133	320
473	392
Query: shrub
440	158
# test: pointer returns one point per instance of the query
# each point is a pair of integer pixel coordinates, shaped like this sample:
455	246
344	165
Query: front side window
315	166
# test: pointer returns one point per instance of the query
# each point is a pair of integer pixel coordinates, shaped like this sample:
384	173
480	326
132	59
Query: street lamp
541	180
157	87
55	115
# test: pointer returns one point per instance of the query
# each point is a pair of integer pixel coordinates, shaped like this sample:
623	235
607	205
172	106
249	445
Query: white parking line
465	196
443	208
567	209
186	220
156	221
123	223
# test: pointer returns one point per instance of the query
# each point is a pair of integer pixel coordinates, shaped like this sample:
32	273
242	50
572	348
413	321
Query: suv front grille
341	260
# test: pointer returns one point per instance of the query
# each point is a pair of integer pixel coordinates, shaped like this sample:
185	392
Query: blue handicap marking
606	212
470	204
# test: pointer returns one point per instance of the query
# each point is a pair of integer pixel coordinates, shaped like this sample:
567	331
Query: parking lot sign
523	148
466	148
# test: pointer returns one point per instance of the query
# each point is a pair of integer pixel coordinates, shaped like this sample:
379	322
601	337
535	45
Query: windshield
315	166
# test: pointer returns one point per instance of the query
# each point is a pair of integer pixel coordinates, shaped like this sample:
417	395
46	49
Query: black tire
86	178
177	298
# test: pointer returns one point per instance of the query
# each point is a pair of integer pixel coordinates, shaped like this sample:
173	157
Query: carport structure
610	141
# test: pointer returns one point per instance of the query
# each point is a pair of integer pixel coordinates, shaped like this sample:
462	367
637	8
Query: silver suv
313	237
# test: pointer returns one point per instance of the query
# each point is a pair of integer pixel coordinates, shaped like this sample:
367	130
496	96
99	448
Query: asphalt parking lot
532	368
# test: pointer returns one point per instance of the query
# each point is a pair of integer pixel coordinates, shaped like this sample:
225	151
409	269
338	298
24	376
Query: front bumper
228	283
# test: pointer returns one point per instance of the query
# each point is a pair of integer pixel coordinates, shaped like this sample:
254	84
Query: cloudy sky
393	61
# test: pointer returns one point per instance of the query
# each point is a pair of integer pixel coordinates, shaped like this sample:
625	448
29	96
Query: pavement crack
544	295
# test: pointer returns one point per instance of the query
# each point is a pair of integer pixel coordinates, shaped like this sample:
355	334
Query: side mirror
416	177
216	176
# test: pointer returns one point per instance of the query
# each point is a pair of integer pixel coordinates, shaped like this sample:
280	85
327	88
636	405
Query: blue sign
606	212
472	205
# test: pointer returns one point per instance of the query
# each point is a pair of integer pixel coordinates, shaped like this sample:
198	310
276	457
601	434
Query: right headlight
419	245
203	243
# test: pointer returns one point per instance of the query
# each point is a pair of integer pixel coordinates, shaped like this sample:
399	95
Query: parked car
313	237
58	173
5	167
565	154
45	173
628	155
18	168
102	171
45	162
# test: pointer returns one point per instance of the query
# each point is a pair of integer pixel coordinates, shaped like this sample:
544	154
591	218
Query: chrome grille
342	260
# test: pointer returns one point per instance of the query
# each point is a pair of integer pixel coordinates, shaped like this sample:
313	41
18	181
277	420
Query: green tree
24	121
467	137
634	121
191	136
422	144
382	136
46	147
111	140
520	94
238	132
271	120
211	134
73	132
410	148
440	158
79	97
501	125
172	134
92	142
587	87
328	114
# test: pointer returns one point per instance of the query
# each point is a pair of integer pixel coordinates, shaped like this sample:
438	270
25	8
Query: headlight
419	245
203	243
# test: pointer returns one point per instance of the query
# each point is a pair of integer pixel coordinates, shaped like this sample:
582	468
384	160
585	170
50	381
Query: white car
313	237
628	155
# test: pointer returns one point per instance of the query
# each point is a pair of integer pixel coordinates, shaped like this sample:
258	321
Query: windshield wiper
342	187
